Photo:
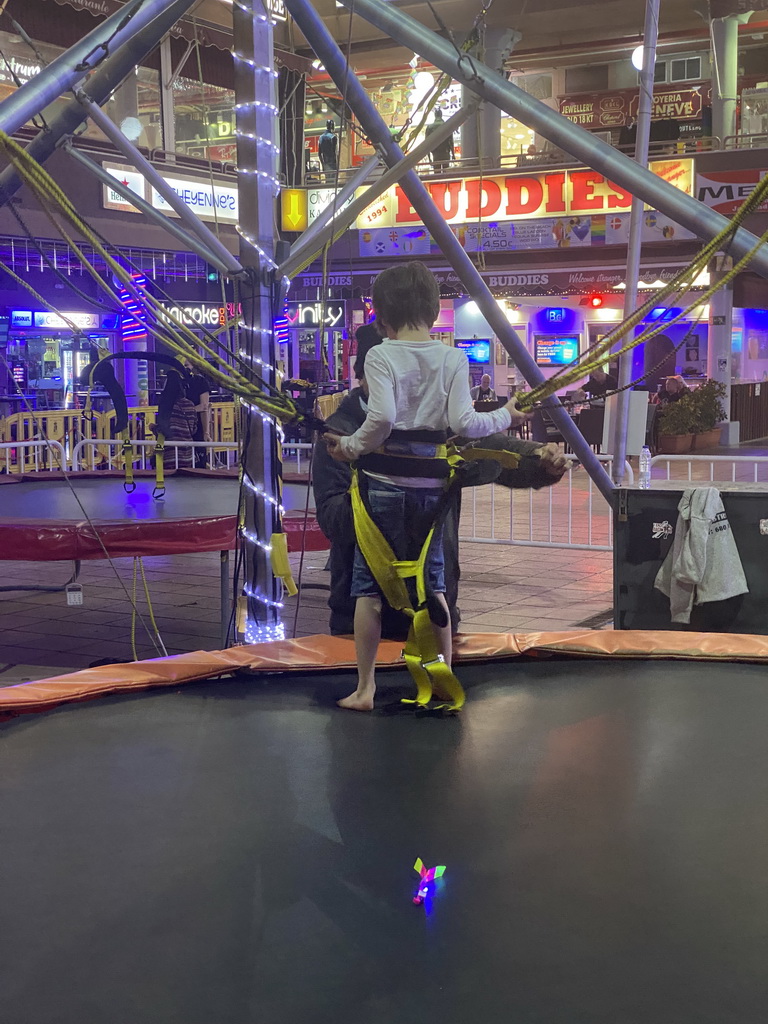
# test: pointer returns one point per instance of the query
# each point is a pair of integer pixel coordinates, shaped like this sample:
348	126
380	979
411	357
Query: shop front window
205	120
135	106
754	115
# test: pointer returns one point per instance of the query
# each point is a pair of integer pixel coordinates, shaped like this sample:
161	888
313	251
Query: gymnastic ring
158	493
129	488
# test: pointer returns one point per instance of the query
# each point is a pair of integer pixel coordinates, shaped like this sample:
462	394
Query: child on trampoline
414	384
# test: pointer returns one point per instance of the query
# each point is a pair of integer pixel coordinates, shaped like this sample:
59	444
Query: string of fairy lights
247	130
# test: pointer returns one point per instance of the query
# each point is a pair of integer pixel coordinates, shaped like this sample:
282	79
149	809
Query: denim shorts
404	515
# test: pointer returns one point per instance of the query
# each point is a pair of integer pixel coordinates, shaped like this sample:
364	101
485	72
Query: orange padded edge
335	654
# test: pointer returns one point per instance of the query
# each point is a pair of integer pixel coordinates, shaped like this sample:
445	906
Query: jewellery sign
617	109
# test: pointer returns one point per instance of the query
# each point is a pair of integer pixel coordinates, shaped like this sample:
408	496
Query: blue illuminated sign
554	350
476	351
554	315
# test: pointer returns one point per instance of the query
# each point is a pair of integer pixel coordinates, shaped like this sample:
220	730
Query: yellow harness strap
425	663
127	452
159	490
280	565
508	460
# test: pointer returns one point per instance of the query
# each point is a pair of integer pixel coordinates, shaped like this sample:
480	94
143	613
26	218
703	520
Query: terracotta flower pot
675	444
708	439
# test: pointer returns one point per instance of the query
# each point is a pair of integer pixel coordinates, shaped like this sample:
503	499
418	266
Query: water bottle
644	476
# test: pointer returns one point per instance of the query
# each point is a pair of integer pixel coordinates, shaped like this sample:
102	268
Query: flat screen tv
477	350
555	349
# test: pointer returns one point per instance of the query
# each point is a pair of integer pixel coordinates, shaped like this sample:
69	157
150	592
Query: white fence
92	454
97	453
37	455
572	514
705	469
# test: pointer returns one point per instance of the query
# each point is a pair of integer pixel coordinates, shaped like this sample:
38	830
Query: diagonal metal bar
74	65
306	242
595	153
376	129
100	87
171	226
315	238
187	217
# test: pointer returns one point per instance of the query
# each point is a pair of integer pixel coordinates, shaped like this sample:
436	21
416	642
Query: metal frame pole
75	64
146	208
634	249
595	153
187	217
316	236
99	87
257	128
375	128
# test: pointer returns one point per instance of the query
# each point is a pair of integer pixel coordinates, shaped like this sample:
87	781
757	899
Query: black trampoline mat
186	497
241	851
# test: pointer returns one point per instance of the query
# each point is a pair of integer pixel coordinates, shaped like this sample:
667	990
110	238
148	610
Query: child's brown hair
406	295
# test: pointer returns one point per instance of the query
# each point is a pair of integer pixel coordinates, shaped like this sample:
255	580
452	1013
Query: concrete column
720	340
167	112
482	132
725	73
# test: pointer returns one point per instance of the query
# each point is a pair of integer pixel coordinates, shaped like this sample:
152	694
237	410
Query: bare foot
357	702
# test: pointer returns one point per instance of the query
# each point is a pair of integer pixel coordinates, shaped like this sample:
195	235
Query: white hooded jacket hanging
704	563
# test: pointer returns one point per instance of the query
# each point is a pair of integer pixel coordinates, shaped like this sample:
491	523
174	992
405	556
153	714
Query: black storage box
644	525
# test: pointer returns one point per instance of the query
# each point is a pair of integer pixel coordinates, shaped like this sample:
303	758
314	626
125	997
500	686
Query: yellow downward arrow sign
294	209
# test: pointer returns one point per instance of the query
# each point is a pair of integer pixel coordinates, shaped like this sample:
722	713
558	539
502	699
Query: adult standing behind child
415	384
198	391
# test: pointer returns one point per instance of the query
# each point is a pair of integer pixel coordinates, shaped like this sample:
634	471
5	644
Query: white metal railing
705	469
15	456
97	453
100	453
297	456
571	514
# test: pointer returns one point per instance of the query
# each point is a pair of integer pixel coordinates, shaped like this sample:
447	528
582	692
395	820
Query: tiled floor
503	589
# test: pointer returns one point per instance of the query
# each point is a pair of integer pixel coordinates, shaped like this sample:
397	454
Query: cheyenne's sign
616	109
520	196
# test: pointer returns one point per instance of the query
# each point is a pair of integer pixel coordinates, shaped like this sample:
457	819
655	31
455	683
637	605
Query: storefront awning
188	28
508	283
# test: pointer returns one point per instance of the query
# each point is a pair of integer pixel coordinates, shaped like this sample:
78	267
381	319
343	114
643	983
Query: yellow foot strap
425	663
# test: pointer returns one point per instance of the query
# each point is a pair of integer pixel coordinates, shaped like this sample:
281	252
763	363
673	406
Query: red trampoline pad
42	521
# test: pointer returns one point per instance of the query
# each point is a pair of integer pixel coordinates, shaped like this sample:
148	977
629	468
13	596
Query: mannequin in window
442	154
328	150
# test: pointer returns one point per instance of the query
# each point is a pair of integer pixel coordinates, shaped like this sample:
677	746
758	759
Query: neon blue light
554	315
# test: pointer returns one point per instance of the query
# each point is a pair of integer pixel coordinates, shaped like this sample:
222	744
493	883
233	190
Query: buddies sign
520	196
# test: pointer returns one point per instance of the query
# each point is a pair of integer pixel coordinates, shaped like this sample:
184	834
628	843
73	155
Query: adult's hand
332	443
554	462
518	416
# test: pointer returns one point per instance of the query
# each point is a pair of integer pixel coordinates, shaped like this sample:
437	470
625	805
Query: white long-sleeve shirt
419	385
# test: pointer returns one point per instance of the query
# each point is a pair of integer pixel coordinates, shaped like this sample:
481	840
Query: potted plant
707	402
676	428
692	422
